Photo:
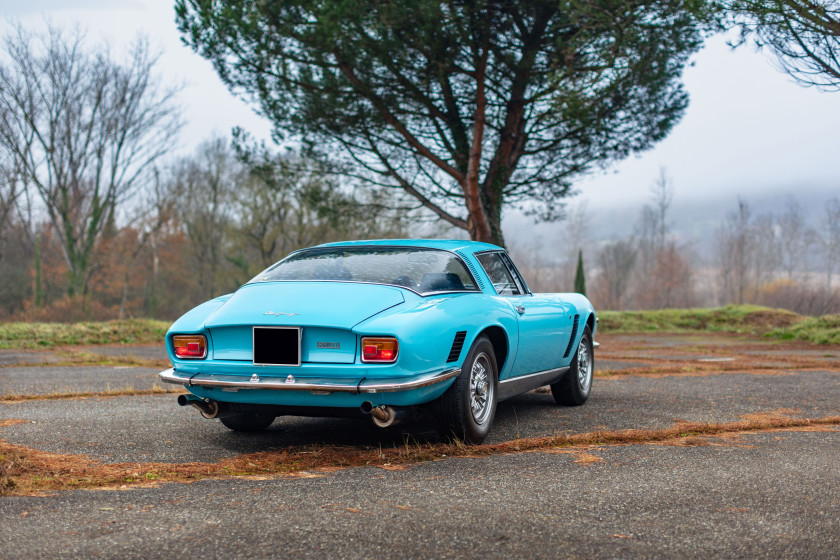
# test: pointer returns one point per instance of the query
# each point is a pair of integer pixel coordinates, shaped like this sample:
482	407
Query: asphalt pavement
766	494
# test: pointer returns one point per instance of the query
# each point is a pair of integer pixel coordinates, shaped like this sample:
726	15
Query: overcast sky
748	130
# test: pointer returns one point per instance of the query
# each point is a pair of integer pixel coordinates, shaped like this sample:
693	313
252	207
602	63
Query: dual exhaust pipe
383	416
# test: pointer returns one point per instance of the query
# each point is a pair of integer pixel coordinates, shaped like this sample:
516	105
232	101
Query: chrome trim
513	386
547	373
514	272
280	384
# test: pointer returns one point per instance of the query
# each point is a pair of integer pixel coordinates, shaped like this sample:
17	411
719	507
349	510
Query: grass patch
741	319
49	335
819	330
747	319
744	319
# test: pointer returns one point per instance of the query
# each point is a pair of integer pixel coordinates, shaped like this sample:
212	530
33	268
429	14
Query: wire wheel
466	410
574	387
481	389
584	372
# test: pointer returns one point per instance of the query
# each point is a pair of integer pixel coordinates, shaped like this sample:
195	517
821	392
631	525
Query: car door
543	320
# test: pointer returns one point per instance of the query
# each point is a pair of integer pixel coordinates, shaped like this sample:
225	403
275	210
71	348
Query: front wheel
466	410
573	389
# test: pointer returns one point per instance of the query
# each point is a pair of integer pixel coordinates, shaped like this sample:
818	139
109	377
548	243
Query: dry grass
124	392
711	354
29	471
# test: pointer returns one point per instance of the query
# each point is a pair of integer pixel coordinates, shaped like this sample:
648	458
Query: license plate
277	346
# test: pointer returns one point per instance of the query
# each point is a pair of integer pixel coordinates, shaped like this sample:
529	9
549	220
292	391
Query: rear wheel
574	388
247	422
467	408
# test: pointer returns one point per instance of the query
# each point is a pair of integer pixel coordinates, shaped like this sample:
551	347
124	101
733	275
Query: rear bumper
316	386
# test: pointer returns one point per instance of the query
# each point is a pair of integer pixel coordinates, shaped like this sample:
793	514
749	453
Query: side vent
472	269
574	334
457	344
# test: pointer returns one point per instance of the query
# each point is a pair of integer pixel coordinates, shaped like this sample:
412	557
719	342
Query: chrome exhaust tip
207	408
382	416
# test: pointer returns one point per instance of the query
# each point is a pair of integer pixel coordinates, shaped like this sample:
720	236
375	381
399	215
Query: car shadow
302	432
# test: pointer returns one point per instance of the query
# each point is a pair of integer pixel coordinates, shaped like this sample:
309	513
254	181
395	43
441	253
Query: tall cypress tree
580	281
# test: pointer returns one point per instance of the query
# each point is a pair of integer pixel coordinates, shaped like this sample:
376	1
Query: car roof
444	244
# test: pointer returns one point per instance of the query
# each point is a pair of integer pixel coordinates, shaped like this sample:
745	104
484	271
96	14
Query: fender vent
574	334
457	344
472	269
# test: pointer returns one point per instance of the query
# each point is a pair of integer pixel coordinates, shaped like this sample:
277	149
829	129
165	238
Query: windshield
422	270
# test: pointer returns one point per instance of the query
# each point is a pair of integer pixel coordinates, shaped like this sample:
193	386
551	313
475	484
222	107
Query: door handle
520	309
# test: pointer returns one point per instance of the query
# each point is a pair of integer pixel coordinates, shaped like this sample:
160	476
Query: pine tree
580	281
489	102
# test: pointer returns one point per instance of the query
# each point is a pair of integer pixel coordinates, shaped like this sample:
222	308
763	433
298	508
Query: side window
517	276
499	274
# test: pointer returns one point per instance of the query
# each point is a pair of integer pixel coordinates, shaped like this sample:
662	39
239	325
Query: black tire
574	388
466	410
247	422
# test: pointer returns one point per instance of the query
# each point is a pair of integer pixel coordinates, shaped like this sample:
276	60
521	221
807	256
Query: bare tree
83	128
674	279
616	262
795	238
575	234
203	186
765	251
662	193
288	201
655	249
734	245
830	238
10	191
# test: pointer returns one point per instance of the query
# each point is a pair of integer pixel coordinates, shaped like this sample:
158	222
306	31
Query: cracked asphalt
765	494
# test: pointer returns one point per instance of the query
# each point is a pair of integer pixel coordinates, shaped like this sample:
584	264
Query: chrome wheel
584	367
466	410
573	388
481	389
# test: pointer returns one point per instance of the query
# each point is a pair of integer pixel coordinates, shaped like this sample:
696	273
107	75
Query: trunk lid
325	311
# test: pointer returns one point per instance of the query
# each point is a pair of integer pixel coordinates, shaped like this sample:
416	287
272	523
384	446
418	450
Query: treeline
774	259
98	222
208	223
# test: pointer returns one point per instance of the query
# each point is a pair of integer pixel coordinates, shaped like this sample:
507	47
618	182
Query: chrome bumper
290	384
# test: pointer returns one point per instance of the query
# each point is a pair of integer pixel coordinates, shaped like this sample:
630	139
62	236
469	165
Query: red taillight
380	349
193	346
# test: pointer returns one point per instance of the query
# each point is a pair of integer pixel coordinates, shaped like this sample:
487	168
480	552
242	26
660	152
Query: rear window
425	271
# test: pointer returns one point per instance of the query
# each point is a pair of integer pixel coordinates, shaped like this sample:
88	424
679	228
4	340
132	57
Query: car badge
279	314
255	378
328	345
290	379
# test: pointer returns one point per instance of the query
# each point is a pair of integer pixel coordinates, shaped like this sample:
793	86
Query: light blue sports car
385	329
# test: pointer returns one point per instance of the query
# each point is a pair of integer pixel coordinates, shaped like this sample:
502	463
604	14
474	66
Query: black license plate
277	346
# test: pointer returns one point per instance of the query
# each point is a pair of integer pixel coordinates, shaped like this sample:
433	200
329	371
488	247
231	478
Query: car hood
307	304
